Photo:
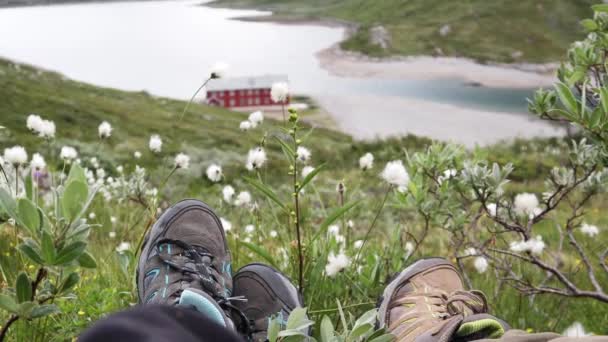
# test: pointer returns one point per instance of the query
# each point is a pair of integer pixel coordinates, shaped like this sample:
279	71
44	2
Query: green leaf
327	329
312	175
384	338
28	213
296	318
32	253
23	287
359	331
577	75
287	150
8	303
342	317
604	99
25	309
273	329
261	252
76	174
8	204
566	97
28	186
74	199
600	8
44	310
70	253
367	318
86	260
266	191
336	214
48	248
589	24
69	282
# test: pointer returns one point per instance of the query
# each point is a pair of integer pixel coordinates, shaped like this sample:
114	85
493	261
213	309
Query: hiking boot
427	302
269	293
185	261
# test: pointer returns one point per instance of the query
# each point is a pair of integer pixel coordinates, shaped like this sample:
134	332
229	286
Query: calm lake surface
166	48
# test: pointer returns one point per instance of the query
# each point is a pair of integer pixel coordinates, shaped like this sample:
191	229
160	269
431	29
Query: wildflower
113	219
242	199
123	247
575	330
366	162
15	155
336	263
37	162
481	264
137	154
256	158
333	229
155	144
245	126
307	170
34	122
47	129
249	228
104	130
450	173
120	169
303	154
279	92
491	209
256	118
590	230
273	234
340	238
358	244
92	216
526	204
470	251
228	192
214	173
247	240
394	173
112	235
534	246
226	224
68	153
350	224
182	161
409	249
218	70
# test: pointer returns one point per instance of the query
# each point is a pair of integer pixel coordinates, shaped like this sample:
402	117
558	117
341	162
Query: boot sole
408	273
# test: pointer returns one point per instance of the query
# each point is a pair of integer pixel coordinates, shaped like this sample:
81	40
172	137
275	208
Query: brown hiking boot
427	302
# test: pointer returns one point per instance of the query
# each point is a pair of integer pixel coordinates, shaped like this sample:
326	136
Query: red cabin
243	91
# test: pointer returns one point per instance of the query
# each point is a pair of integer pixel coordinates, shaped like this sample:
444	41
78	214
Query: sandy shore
349	64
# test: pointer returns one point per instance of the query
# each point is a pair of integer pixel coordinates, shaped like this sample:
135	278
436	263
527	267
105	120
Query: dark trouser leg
152	323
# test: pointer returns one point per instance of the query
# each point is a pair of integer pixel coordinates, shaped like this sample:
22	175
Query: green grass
209	135
485	30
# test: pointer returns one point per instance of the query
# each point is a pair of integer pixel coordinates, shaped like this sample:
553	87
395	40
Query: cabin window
232	103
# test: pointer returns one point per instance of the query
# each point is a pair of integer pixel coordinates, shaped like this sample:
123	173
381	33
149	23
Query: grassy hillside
486	30
211	135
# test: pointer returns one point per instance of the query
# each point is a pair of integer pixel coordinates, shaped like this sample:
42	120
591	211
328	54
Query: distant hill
486	30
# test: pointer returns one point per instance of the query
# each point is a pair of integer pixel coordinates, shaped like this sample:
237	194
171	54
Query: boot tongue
479	326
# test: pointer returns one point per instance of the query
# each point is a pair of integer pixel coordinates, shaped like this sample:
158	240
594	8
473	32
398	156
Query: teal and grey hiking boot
185	261
269	293
427	302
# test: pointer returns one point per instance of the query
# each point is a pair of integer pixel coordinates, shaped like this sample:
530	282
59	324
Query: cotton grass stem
371	226
193	97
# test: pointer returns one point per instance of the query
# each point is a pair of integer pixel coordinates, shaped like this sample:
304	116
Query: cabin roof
235	83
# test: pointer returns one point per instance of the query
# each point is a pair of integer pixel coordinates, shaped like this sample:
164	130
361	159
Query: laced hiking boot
427	302
268	293
185	261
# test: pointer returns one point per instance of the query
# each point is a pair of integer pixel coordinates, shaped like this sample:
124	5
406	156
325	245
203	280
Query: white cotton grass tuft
68	153
358	244
336	263
249	228
526	204
226	224
44	128
590	230
243	199
334	229
104	130
481	264
182	161
228	193
470	251
15	155
123	247
137	154
492	209
534	246
255	159
245	126
307	170
395	173
273	234
303	154
214	173
155	144
37	162
219	70
279	92
409	249
256	118
112	235
366	162
575	330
